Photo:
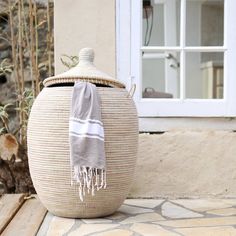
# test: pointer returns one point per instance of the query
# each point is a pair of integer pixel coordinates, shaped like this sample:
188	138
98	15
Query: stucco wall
178	163
85	23
185	163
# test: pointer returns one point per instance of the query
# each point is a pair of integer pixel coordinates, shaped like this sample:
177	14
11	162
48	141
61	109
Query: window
181	55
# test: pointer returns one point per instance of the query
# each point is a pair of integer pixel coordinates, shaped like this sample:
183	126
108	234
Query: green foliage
5	67
4	117
25	103
23	106
2	130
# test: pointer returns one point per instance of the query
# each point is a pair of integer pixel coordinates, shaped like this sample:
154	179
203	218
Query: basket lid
84	71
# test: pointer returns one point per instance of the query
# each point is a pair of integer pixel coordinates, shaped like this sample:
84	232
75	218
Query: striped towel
87	153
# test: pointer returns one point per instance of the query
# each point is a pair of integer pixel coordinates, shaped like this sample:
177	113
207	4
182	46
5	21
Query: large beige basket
48	149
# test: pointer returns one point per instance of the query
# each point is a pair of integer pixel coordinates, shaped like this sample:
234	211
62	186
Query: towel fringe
89	178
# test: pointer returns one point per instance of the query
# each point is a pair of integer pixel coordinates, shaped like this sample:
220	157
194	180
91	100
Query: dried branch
13	46
37	90
49	39
32	46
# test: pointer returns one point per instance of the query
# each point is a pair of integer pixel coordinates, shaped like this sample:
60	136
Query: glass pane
160	75
161	22
204	75
205	23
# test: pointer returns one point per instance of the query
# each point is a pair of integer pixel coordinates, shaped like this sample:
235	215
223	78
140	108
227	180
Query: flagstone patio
136	217
154	217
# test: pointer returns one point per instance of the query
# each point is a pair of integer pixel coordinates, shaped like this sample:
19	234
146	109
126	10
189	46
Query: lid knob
86	55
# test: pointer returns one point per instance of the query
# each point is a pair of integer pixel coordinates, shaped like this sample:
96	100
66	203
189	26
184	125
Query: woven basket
48	150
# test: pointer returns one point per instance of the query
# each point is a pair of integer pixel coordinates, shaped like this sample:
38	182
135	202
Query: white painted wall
85	23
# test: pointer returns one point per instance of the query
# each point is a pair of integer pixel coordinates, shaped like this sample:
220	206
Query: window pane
161	22
205	23
160	75
204	75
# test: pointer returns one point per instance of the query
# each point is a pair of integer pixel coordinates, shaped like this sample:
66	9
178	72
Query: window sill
162	124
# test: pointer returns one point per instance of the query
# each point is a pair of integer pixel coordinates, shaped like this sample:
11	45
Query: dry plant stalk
34	67
24	37
13	47
37	87
22	80
49	39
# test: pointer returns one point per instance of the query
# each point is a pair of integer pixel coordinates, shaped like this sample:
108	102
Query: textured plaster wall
177	163
85	23
186	163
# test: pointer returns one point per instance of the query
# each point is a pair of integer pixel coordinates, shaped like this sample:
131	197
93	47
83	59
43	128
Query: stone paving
149	217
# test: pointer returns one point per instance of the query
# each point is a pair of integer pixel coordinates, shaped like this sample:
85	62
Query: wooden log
28	219
9	205
14	175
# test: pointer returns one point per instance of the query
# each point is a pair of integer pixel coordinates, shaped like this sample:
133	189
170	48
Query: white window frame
128	43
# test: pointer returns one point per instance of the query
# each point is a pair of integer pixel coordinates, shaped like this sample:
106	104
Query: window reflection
205	23
204	75
160	75
161	23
